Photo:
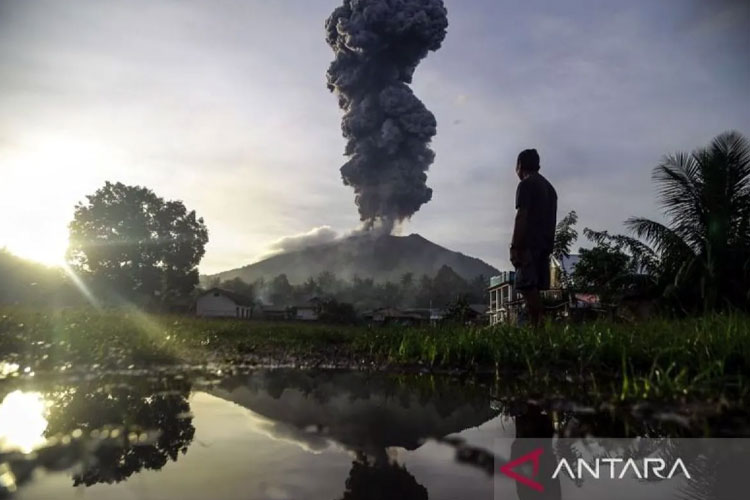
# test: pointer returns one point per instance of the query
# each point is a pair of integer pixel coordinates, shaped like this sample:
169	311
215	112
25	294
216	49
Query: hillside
383	258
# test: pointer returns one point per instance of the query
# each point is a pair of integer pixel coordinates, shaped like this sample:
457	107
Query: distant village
501	304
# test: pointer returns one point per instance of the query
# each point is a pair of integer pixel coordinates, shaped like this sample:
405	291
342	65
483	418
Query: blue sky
223	104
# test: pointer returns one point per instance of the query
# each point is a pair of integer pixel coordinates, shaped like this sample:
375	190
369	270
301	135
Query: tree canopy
135	246
704	246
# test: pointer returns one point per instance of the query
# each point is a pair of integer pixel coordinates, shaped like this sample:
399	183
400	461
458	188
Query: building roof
502	278
237	298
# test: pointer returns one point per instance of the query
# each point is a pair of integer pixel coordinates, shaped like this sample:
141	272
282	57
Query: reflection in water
376	479
22	421
363	412
367	414
105	429
534	431
141	424
375	427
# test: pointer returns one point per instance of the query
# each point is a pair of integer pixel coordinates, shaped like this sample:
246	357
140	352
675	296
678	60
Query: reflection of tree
134	407
379	478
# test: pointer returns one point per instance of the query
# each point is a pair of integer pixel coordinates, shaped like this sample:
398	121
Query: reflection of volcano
362	412
374	480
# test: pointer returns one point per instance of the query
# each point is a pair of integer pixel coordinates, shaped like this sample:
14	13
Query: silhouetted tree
390	294
616	266
280	292
328	284
459	310
333	311
238	286
704	248
135	245
424	291
601	270
565	235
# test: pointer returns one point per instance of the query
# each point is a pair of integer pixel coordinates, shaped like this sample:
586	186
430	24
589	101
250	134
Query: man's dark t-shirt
538	197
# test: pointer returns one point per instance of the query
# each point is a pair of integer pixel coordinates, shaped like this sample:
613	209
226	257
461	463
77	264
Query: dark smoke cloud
378	44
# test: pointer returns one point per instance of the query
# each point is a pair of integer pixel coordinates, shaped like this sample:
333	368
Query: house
274	313
306	312
504	299
219	303
391	316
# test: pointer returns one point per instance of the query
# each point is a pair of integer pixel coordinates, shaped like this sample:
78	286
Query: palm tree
704	247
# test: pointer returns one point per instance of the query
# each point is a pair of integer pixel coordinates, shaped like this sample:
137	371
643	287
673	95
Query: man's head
528	163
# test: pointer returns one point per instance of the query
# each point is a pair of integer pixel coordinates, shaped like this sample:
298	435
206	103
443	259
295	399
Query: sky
223	104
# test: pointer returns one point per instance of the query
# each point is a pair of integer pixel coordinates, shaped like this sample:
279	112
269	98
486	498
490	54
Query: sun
45	249
23	420
41	184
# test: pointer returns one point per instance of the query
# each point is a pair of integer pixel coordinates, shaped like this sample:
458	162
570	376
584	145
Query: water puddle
276	434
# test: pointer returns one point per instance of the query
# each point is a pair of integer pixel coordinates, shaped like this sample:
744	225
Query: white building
502	296
218	303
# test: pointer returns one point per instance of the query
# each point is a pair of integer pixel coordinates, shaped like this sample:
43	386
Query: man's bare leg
533	306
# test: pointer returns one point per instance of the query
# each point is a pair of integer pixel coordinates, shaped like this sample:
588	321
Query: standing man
533	232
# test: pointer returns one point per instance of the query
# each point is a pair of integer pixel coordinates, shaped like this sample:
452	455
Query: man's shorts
533	273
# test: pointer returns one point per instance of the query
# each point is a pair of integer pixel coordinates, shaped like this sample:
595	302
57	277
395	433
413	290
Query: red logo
507	469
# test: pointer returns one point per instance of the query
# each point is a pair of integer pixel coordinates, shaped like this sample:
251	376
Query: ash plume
378	44
315	236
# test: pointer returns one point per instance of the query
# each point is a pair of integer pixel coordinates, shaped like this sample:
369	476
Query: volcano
382	258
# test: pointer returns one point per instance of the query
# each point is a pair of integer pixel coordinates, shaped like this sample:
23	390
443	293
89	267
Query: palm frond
643	258
662	239
681	184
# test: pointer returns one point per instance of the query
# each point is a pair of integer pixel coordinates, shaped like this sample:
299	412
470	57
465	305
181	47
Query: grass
658	359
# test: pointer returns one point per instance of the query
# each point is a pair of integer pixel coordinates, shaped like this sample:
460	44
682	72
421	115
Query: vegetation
565	235
130	245
704	248
438	291
32	284
699	260
655	359
612	268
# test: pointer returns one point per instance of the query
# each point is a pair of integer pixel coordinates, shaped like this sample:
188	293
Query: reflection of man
534	430
533	232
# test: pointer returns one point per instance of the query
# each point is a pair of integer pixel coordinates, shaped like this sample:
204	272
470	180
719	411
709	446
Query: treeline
438	291
698	260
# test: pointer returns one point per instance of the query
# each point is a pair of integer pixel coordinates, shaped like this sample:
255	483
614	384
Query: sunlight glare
42	180
22	421
80	285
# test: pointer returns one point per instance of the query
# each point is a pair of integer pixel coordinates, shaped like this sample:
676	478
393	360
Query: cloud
315	236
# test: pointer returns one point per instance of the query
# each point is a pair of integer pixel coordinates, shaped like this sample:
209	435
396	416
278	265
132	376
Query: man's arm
519	235
520	226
